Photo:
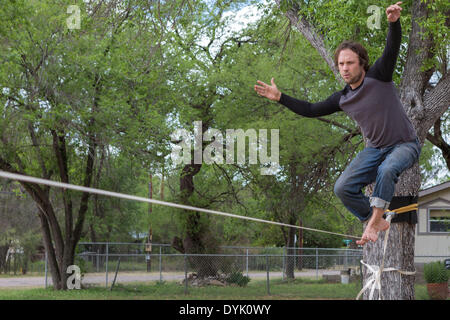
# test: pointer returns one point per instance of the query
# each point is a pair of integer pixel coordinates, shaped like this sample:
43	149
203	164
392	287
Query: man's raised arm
384	67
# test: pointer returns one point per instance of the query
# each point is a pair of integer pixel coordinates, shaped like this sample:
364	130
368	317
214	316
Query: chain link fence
139	257
160	262
101	262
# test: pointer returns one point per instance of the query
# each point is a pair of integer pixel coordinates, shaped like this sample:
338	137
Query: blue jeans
380	165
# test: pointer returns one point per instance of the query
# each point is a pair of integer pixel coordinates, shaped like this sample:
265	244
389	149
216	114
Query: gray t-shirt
375	105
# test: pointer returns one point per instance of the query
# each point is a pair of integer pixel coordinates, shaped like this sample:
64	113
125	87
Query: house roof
439	187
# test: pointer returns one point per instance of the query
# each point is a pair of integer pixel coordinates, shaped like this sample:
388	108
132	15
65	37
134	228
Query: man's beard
355	79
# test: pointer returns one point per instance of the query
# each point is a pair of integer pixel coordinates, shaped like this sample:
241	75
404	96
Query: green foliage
435	27
435	272
238	278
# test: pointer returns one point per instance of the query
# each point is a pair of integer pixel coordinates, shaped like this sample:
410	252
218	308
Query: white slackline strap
14	176
374	280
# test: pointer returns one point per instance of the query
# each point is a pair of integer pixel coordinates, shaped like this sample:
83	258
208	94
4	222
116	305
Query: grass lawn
300	289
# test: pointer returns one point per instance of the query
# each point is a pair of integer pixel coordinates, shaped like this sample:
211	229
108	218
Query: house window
439	220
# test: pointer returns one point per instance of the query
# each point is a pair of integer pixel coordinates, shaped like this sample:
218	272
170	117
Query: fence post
284	263
346	259
317	264
98	265
160	265
106	267
267	267
295	258
246	265
185	275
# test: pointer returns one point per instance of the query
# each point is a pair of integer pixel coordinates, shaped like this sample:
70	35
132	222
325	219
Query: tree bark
198	238
290	259
399	250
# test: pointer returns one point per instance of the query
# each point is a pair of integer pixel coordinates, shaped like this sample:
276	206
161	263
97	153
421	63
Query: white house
433	225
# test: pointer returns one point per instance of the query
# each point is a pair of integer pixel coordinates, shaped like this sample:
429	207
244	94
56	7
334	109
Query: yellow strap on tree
407	208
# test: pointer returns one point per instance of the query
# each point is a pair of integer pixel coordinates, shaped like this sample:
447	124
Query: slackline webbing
404	209
19	177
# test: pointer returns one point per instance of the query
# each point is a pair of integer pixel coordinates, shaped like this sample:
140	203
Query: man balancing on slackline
371	99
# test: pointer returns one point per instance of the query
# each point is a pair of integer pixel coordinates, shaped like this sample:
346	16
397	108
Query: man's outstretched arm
301	107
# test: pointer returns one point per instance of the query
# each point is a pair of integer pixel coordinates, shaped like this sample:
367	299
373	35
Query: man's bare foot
371	232
375	225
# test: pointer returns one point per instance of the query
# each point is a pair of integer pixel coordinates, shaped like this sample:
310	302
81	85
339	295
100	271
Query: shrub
238	278
435	272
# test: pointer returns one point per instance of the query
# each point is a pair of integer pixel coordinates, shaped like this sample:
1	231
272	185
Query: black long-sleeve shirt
374	105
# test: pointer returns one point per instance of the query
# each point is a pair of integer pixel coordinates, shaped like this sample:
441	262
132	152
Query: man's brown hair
357	48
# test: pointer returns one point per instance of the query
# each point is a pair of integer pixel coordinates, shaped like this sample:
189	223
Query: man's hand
393	12
270	92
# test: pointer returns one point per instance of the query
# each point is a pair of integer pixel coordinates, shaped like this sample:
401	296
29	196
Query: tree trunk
195	241
400	255
399	250
193	225
198	238
290	259
3	251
